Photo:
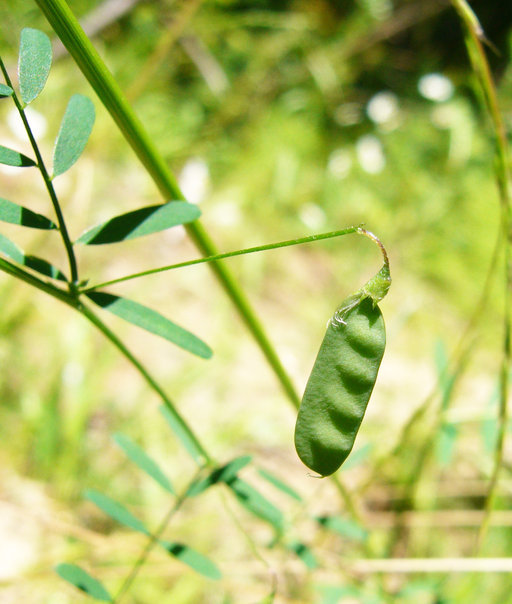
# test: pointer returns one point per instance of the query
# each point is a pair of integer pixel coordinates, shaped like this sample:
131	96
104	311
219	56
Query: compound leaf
34	63
143	221
151	321
74	133
83	581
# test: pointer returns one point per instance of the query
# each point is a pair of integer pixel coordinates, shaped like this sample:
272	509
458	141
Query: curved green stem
47	181
249	250
152	383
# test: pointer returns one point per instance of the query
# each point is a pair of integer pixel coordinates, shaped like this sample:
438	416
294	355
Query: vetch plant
75	291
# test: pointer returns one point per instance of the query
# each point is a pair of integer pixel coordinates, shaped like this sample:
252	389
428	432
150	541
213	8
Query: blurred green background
282	119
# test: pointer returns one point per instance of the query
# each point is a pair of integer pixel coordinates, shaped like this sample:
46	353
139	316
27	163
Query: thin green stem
47	181
44	286
153	540
88	60
216	257
152	383
474	38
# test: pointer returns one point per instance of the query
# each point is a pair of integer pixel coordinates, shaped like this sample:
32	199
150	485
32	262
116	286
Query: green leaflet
143	461
34	63
143	221
74	133
201	564
151	321
16	214
224	473
116	511
12	251
258	505
5	91
83	581
188	443
279	484
9	157
304	553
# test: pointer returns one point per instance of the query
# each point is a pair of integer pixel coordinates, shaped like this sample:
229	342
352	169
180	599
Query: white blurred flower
370	154
194	180
339	163
312	215
435	87
382	107
36	120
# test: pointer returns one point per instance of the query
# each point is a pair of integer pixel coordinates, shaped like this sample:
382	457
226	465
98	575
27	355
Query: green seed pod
339	387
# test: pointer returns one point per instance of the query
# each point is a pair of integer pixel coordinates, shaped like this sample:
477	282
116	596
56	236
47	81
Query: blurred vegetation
283	119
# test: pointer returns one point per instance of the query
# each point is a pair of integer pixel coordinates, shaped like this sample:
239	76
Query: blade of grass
475	37
66	26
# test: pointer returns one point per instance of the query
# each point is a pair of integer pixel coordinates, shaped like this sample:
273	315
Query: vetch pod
343	376
339	388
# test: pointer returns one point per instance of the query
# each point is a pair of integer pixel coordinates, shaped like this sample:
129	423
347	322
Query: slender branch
152	383
44	286
47	180
153	540
250	250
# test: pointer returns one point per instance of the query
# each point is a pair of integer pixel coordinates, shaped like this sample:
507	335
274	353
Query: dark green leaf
9	157
279	484
83	581
343	527
74	133
12	251
195	560
142	459
223	474
151	321
116	511
256	503
5	91
304	553
183	436
15	214
143	221
34	63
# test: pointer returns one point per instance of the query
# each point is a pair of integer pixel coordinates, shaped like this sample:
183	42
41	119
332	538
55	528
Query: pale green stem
250	250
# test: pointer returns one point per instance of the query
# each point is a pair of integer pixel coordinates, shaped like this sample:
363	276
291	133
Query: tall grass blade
74	133
143	461
143	221
83	581
34	63
151	321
